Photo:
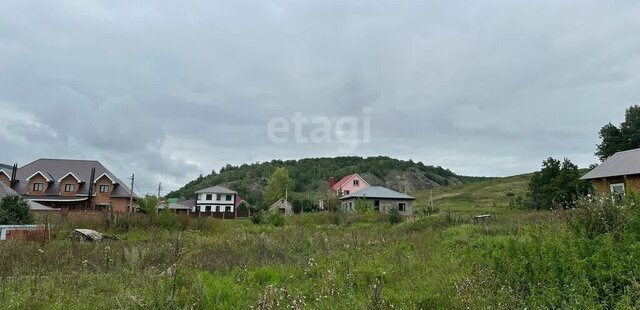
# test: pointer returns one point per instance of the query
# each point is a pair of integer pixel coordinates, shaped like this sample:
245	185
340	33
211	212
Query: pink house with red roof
347	185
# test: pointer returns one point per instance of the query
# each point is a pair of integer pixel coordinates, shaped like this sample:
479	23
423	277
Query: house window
228	198
356	182
197	208
104	188
350	205
376	205
208	209
617	188
346	192
102	207
68	188
227	209
219	197
209	197
402	206
38	187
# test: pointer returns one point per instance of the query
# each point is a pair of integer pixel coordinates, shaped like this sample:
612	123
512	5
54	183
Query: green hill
484	196
311	176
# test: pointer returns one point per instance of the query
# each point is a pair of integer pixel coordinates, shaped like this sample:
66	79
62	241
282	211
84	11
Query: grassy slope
490	196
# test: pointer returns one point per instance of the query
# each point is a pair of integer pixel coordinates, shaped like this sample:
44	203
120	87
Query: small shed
618	174
283	206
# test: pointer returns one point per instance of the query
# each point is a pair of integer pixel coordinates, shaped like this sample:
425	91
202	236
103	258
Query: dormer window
68	188
104	188
38	187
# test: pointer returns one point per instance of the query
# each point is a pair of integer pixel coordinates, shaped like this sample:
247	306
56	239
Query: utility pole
133	176
159	189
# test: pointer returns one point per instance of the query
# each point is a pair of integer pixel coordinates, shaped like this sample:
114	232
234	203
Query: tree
14	210
556	185
616	139
147	204
278	185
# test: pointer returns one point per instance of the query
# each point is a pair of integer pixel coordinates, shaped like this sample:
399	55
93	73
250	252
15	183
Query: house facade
347	185
381	198
217	201
71	184
618	174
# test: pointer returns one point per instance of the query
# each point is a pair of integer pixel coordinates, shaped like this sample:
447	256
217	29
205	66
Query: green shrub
276	219
600	215
14	210
257	217
168	219
394	216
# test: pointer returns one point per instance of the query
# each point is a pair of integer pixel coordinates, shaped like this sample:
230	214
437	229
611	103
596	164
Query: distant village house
70	184
347	185
221	202
381	198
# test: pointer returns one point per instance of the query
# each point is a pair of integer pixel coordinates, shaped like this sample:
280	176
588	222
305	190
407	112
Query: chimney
332	182
14	172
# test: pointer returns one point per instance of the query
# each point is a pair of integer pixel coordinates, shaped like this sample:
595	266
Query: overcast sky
169	90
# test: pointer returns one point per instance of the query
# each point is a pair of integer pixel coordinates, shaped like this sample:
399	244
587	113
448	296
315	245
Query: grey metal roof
216	190
58	168
180	205
36	206
619	164
377	192
6	191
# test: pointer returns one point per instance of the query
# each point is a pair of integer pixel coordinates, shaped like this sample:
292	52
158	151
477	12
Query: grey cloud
173	90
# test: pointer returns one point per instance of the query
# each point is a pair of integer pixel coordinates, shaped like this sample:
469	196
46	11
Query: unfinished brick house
72	184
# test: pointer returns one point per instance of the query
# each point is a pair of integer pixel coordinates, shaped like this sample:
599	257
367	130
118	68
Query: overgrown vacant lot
337	261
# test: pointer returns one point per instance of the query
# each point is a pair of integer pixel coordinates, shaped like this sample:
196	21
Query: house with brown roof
618	174
71	184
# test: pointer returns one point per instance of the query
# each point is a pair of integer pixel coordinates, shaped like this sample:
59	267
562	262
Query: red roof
239	200
344	181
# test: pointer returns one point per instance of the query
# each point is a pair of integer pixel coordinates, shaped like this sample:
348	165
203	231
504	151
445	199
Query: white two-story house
216	201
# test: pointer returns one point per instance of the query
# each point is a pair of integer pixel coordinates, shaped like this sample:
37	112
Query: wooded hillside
311	175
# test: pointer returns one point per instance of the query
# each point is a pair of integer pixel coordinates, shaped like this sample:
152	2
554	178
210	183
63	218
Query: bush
14	210
394	216
276	219
168	219
257	217
601	215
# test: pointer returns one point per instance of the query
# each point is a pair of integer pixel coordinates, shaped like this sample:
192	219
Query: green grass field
520	259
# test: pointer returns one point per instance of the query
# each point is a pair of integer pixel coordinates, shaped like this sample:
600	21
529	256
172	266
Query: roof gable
348	178
5	173
108	177
48	178
619	164
70	174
